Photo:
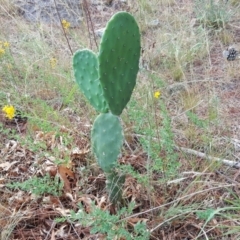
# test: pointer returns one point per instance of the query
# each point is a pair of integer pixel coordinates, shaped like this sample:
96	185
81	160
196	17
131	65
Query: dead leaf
87	202
7	165
102	202
64	212
65	174
78	155
133	221
61	232
51	170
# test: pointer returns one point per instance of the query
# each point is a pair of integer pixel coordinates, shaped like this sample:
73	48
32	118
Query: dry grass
200	90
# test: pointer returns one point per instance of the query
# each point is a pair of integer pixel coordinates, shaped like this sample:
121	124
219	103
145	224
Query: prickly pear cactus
107	140
85	65
107	81
119	60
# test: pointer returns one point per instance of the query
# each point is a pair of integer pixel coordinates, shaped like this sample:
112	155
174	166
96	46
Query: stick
205	156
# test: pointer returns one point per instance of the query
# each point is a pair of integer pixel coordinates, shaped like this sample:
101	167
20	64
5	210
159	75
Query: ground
177	184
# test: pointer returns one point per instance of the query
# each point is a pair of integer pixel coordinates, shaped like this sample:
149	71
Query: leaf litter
36	214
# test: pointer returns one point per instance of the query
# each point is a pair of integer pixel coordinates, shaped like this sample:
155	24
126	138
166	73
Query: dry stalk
64	32
89	23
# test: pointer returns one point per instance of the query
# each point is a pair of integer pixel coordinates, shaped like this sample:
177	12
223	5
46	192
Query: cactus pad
85	64
107	140
119	60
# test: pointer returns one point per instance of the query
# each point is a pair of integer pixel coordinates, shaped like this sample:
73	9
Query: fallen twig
205	156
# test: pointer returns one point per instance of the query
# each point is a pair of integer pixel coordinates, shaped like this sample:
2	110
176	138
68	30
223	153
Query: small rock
176	88
154	23
46	11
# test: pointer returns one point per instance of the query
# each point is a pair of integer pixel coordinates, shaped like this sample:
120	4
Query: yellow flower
2	51
9	66
6	44
9	110
65	24
53	62
157	94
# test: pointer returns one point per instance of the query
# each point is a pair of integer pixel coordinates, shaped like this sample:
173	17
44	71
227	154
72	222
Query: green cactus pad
85	65
107	140
119	60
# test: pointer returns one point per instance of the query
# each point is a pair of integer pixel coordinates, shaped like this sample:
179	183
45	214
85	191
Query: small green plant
107	81
196	120
211	213
207	214
155	134
101	221
212	13
40	186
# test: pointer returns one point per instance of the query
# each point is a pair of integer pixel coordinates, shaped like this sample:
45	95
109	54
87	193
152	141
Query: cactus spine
107	81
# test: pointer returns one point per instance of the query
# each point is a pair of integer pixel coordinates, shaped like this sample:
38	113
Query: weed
155	135
169	161
210	213
101	221
207	214
40	186
175	51
195	119
213	14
